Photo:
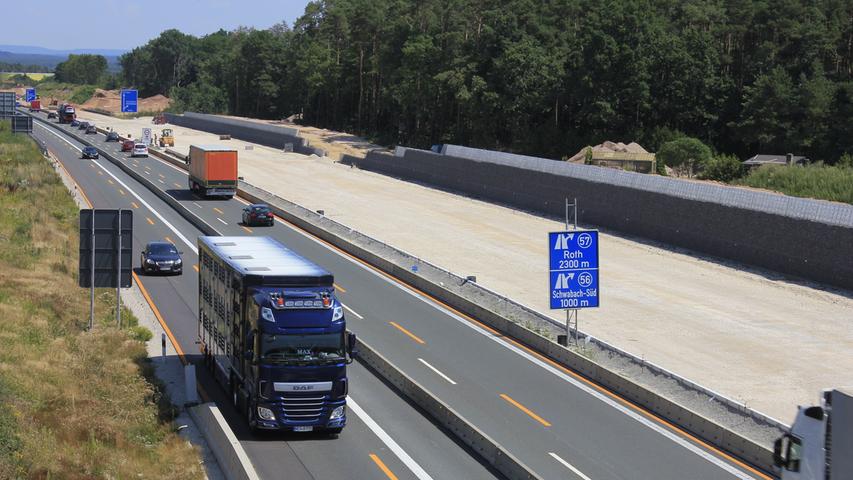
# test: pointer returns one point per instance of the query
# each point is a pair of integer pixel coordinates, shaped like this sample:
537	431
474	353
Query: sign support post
118	272
573	272
92	275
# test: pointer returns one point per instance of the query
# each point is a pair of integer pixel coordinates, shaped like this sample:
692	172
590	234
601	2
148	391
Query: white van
139	150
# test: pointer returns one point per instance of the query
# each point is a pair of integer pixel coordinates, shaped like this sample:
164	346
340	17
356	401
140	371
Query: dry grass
72	404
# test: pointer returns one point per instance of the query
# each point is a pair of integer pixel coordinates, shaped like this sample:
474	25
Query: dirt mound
110	101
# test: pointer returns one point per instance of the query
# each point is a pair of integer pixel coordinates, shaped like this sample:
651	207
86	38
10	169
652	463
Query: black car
75	122
51	115
83	125
112	137
161	257
91	129
90	152
257	214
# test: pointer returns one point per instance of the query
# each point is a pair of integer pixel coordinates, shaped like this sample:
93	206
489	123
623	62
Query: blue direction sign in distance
128	101
573	271
30	95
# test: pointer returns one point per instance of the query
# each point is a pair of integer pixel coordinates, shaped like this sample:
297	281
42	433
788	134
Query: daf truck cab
819	445
273	334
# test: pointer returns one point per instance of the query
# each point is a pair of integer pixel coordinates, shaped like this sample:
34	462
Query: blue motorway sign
30	95
573	269
128	101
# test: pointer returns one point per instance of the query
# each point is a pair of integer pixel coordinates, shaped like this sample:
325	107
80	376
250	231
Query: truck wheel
250	420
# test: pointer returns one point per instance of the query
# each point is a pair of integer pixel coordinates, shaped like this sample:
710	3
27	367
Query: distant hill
16	54
107	52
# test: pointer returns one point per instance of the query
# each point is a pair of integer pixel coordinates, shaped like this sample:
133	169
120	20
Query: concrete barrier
734	433
162	194
232	459
484	446
484	305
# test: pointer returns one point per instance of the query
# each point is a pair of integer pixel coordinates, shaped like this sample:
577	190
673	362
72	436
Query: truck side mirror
351	343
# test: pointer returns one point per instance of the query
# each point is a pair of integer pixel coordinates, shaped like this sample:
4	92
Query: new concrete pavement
549	418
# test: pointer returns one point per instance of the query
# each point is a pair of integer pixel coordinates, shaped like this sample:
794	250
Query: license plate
165	268
303	429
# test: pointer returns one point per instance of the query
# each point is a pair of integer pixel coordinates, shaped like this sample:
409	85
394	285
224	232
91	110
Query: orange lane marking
110	181
387	471
73	180
525	410
536	354
177	184
218	211
134	204
342	289
169	240
150	222
195	267
100	172
161	175
247	229
121	191
410	334
160	319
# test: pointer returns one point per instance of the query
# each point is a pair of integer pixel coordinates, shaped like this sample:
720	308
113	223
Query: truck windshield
316	349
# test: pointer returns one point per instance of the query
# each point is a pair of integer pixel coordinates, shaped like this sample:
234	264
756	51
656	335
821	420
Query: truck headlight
149	261
266	414
337	314
338	412
178	261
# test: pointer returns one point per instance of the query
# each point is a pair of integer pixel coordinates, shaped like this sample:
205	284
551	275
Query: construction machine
167	138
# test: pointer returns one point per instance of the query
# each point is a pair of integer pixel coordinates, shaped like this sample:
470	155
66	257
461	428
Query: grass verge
72	404
812	181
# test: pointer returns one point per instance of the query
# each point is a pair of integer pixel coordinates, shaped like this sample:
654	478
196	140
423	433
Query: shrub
723	168
683	154
812	181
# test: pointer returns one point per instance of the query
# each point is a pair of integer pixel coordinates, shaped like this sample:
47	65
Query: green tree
684	154
81	69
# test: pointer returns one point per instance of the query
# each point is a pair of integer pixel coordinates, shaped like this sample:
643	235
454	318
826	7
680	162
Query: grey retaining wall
807	238
260	133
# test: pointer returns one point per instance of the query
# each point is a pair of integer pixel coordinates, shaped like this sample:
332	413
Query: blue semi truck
273	333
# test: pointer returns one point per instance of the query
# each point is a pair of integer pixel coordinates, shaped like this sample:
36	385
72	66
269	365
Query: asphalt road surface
551	419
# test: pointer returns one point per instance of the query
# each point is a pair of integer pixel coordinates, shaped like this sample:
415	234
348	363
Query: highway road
385	437
553	420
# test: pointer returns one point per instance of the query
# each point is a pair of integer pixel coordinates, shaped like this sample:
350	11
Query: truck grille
303	408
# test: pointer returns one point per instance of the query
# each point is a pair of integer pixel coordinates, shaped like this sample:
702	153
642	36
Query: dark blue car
161	257
90	152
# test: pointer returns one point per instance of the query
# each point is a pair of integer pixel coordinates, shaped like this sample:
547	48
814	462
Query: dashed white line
353	312
388	441
221	220
197	205
569	466
437	371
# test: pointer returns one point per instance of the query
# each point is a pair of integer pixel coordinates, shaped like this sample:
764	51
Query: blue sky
124	24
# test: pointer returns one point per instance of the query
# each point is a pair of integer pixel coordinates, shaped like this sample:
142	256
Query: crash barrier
721	422
162	194
796	236
230	456
487	448
261	133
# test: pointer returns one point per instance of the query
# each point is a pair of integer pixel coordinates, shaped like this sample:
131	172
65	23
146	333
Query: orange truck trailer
213	170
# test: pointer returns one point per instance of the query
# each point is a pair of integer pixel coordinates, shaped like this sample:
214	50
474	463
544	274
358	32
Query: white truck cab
820	443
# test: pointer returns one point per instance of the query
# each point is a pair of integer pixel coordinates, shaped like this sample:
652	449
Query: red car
127	146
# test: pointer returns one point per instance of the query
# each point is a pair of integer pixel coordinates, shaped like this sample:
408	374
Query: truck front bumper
287	423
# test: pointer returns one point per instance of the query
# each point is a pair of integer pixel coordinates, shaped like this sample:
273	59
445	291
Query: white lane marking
353	312
221	220
437	371
161	181
701	452
149	207
197	205
147	172
388	441
569	466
